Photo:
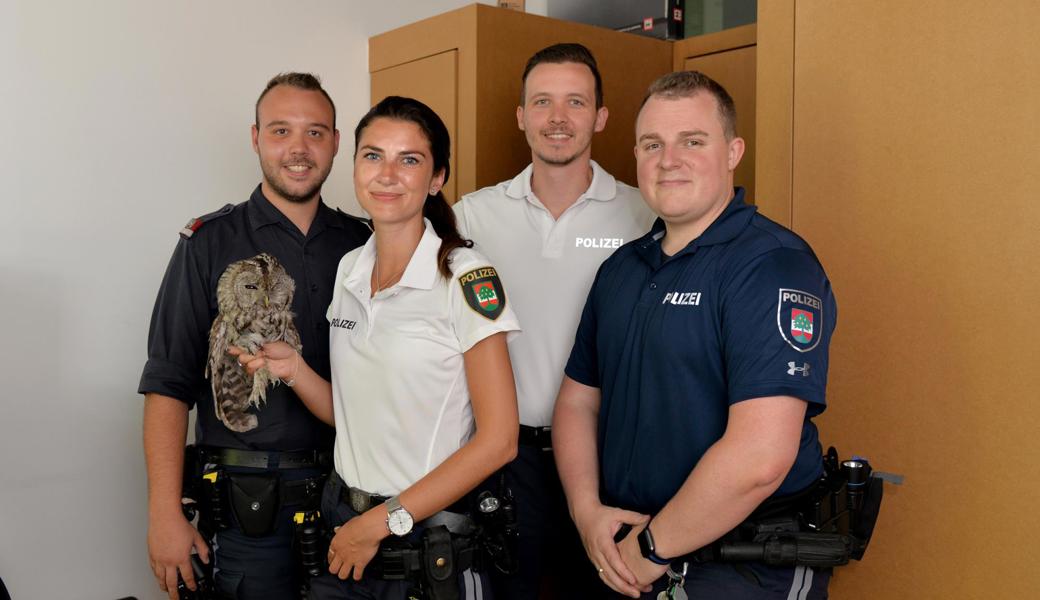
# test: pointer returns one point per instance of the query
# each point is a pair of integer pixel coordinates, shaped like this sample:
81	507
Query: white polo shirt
548	265
400	397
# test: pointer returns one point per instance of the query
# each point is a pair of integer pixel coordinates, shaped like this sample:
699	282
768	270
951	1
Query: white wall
123	119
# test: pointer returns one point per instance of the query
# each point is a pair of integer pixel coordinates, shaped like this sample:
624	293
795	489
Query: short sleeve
479	304
778	315
179	330
461	223
583	363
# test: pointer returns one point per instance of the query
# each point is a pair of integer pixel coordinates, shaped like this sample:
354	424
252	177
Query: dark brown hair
435	208
684	84
563	53
303	81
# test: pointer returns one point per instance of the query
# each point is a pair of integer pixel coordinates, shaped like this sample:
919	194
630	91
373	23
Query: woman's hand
356	542
281	360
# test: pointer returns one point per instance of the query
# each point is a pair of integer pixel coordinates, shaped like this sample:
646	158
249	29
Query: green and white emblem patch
483	292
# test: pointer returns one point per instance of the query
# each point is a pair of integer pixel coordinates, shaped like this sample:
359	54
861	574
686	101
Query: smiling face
559	114
684	162
296	141
393	171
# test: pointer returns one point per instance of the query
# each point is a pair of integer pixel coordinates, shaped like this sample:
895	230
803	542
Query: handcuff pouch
255	501
439	564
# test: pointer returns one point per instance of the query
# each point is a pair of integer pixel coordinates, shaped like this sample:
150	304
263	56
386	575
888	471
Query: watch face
399	522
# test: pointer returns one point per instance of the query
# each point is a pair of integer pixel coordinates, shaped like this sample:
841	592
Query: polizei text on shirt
682	298
805	299
583	242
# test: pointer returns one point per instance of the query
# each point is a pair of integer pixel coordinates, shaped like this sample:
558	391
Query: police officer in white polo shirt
422	393
547	231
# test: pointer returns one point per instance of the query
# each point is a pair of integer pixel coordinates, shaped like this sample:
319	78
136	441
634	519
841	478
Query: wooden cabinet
900	145
466	64
729	57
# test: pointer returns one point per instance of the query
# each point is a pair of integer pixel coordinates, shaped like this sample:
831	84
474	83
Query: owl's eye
250	286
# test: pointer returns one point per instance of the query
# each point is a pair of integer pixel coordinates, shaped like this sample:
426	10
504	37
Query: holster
821	526
863	528
255	501
439	568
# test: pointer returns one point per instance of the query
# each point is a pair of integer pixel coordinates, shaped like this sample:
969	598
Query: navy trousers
259	568
748	581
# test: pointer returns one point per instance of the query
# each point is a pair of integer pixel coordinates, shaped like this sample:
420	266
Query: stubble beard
295	198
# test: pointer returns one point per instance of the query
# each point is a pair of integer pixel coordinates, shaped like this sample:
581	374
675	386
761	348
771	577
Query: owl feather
254	297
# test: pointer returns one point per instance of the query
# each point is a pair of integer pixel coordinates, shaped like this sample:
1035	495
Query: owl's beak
267	301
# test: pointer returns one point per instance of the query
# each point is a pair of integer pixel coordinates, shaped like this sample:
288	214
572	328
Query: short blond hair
684	84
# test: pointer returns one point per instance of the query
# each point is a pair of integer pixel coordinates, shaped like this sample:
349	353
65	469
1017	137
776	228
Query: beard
298	196
557	158
557	161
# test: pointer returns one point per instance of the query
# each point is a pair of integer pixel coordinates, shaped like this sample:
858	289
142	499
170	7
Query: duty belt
538	437
258	459
359	499
404	563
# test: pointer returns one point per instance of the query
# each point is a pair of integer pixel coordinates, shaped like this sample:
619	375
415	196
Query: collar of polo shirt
421	272
603	186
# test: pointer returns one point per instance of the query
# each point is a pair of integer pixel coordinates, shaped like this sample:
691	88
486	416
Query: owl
253	300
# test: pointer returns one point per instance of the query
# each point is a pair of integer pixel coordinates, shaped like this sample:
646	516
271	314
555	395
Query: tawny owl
254	297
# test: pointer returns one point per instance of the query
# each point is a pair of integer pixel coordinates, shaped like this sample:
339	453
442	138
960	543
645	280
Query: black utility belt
254	499
260	459
360	501
537	437
439	552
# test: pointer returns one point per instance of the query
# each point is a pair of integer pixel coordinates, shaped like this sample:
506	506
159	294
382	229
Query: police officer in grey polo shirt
547	230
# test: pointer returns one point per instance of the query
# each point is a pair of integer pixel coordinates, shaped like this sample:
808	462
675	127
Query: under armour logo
792	369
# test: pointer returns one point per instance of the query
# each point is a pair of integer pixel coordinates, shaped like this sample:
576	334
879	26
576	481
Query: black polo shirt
744	311
178	339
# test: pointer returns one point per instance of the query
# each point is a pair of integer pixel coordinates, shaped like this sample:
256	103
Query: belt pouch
868	514
439	564
255	502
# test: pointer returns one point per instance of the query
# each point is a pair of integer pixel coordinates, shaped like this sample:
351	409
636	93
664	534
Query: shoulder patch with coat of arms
483	292
799	315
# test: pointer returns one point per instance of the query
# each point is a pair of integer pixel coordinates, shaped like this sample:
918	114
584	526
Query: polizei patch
799	316
483	292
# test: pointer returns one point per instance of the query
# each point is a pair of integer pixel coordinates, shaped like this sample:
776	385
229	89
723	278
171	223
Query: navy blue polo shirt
744	311
178	339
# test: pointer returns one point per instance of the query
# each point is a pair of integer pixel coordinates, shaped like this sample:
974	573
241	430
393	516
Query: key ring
678	576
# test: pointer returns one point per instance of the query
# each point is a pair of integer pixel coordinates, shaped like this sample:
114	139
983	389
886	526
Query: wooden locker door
914	179
434	81
735	71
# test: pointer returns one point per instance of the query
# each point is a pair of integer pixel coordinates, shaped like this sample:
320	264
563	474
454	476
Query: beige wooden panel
454	30
727	39
735	70
433	80
774	107
915	181
506	39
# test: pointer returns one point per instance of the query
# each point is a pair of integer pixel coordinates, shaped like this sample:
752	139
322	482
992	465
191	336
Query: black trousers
553	563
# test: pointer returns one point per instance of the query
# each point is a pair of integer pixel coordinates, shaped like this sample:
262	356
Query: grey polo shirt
547	266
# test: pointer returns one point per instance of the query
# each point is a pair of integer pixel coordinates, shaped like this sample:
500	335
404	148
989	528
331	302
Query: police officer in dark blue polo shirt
698	365
296	139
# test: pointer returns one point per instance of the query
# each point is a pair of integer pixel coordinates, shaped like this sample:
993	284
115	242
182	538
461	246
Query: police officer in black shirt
296	138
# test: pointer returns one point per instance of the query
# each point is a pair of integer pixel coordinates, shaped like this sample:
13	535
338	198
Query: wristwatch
646	547
398	519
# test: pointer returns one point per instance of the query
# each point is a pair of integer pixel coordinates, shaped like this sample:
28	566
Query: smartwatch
398	520
646	547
